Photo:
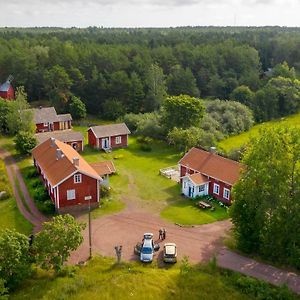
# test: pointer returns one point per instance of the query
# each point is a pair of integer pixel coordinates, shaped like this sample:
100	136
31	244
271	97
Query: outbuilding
7	90
107	137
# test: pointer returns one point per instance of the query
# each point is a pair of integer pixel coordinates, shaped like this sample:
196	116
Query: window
46	124
226	193
201	188
77	178
216	189
118	139
70	194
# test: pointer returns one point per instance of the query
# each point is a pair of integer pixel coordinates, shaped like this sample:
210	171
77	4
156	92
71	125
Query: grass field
186	212
102	279
10	216
235	142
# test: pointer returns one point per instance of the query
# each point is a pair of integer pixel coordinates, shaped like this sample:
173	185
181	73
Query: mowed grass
186	212
104	280
11	218
235	142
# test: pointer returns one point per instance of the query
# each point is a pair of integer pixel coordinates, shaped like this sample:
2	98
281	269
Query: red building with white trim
6	90
70	181
46	119
207	173
108	137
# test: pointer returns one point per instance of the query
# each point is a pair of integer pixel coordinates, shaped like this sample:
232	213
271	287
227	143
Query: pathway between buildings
27	209
233	261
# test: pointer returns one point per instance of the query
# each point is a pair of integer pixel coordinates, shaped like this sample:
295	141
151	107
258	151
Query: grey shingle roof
62	135
110	130
48	114
44	115
4	87
64	117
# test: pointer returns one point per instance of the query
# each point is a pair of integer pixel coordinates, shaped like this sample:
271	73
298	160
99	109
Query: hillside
235	142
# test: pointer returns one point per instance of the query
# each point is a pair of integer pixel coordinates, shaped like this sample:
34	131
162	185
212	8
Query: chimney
213	150
59	154
52	142
76	161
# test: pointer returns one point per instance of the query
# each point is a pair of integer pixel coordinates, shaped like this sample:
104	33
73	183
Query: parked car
147	249
170	253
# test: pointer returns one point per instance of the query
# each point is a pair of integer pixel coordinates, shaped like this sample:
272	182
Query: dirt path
29	211
233	261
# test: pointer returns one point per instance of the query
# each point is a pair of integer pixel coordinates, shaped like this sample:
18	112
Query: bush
3	290
41	194
25	142
146	148
31	172
47	207
77	108
104	191
131	121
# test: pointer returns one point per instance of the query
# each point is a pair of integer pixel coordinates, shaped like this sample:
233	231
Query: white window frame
77	178
71	194
201	188
118	140
224	193
45	124
216	189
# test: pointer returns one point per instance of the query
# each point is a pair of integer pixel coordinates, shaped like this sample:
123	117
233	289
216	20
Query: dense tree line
266	210
117	71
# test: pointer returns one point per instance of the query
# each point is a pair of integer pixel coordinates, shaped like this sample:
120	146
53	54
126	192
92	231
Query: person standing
164	234
160	234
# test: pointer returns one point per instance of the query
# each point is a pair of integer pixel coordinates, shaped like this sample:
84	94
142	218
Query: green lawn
235	142
102	279
10	216
186	212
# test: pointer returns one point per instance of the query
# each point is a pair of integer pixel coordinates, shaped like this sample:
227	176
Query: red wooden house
46	119
6	90
70	181
108	137
70	137
207	173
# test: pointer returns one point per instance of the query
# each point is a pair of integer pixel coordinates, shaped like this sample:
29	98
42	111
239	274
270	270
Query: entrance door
191	192
105	143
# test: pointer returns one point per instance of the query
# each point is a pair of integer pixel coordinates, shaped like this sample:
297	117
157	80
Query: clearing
235	142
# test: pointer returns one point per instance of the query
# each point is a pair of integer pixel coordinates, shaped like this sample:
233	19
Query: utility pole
90	228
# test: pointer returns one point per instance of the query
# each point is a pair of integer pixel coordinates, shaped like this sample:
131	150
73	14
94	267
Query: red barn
46	119
6	90
207	173
70	181
108	137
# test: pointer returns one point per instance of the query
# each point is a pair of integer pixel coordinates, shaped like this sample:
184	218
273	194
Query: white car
147	250
170	253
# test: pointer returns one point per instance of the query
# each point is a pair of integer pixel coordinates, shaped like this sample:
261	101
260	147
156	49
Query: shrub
131	121
77	108
31	172
104	191
41	194
25	142
146	148
47	207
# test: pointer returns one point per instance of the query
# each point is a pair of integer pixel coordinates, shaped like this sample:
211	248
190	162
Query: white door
105	143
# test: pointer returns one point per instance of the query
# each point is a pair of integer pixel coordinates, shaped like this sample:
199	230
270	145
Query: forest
119	71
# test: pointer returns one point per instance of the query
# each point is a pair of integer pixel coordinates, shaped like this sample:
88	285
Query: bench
204	205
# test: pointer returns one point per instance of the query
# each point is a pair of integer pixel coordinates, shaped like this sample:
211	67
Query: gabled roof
4	87
48	114
110	130
58	170
62	135
212	165
104	167
198	178
64	117
44	115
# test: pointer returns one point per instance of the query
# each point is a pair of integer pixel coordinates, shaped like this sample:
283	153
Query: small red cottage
108	137
71	182
46	119
70	137
6	89
207	173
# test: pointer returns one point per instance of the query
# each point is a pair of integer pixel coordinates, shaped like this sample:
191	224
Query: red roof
58	168
198	178
104	167
212	165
